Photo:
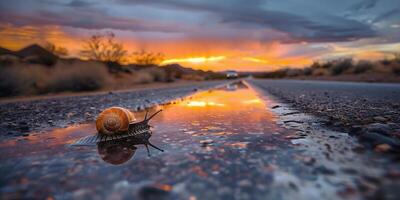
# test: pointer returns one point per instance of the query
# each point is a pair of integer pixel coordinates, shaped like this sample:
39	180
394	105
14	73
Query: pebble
356	129
380	119
245	183
376	138
323	170
293	137
206	142
382	148
379	128
150	192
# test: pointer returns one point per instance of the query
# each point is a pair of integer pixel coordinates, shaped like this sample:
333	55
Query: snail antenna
148	151
152	145
153	115
147	112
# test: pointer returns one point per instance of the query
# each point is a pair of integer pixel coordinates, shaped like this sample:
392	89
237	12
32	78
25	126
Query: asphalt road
357	108
226	143
23	117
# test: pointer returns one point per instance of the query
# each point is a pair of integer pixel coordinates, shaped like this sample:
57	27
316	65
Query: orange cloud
198	53
15	38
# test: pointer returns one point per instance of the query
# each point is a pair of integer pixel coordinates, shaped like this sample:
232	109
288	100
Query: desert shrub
78	77
308	71
41	60
192	77
362	66
55	49
9	82
115	67
158	74
316	65
320	72
8	60
293	72
280	73
18	80
147	58
32	79
143	77
214	75
396	69
386	61
340	66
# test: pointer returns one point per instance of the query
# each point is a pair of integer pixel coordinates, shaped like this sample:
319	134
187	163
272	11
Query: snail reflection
118	133
119	151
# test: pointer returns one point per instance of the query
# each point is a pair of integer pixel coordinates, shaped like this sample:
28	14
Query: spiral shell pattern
114	120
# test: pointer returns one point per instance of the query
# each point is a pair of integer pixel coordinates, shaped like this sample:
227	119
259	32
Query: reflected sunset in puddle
202	135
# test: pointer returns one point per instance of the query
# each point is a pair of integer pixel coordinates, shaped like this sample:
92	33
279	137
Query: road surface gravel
368	110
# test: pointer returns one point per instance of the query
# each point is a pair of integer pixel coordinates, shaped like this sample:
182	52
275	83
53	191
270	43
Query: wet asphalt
22	117
357	108
235	142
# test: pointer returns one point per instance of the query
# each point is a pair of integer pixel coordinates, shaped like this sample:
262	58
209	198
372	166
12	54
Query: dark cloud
88	19
364	5
79	3
317	24
242	13
391	13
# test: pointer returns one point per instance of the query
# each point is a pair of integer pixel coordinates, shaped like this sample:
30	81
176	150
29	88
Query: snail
117	123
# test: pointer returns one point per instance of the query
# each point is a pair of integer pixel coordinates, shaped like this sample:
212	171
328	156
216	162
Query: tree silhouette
103	47
143	57
56	50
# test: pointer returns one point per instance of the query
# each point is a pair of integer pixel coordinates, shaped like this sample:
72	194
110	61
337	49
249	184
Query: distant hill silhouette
35	50
29	51
4	51
178	67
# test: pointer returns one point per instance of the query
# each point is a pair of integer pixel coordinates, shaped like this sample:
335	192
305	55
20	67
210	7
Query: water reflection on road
221	143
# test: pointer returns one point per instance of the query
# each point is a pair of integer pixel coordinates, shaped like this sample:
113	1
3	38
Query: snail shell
114	120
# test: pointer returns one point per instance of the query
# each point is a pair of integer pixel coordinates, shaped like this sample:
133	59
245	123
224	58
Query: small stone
356	129
309	160
382	148
393	173
150	192
291	137
379	128
276	106
323	170
205	143
244	183
24	128
376	139
380	119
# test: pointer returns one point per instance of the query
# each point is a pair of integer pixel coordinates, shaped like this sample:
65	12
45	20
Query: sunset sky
246	35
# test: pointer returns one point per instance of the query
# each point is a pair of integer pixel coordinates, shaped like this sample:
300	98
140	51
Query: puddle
222	143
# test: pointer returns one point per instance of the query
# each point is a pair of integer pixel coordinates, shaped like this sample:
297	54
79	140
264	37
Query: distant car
231	74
